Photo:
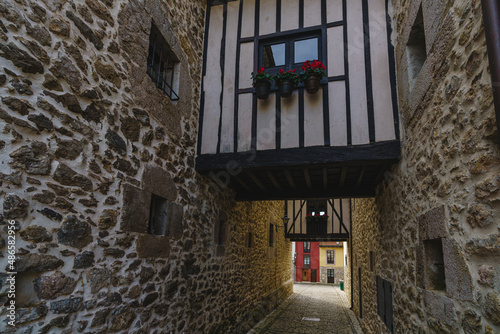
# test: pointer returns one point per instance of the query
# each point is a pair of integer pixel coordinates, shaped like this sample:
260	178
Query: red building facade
307	261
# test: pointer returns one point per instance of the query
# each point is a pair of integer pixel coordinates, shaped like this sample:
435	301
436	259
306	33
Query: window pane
274	55
306	49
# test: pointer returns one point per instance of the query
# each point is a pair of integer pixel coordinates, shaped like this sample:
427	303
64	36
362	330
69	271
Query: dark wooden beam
273	180
256	181
243	184
315	237
360	178
308	179
348	192
325	178
343	174
380	153
290	180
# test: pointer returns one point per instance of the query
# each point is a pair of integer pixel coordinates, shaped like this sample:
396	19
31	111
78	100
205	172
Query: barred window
307	247
307	261
163	65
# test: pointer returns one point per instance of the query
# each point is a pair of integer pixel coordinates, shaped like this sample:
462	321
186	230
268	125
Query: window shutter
380	298
389	321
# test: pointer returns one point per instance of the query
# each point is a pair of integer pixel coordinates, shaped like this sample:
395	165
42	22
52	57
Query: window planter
285	87
262	89
312	83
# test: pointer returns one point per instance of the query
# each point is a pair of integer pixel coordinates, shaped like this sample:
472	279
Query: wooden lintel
257	182
290	180
243	184
273	180
325	178
343	174
360	178
308	179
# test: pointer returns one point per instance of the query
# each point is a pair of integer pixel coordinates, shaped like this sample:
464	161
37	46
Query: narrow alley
312	308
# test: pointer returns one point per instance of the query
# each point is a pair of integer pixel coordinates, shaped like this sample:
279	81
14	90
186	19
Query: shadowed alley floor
312	308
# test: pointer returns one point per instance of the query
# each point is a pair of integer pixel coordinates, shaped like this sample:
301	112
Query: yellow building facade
331	262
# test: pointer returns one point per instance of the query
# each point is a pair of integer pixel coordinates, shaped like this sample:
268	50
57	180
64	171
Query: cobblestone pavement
313	301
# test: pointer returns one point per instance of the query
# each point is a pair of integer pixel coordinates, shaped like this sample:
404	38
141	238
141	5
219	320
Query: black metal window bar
161	64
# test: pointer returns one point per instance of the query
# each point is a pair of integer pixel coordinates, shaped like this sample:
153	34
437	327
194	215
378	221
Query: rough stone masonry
440	205
86	141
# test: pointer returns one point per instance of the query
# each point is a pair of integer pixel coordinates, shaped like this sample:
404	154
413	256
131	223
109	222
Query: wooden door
313	275
331	275
305	276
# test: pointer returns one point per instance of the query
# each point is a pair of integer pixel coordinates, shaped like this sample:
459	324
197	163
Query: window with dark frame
222	232
158	213
307	261
372	261
271	235
289	52
250	240
330	256
163	65
317	207
307	247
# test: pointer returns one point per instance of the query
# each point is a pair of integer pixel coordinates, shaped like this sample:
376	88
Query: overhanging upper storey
336	142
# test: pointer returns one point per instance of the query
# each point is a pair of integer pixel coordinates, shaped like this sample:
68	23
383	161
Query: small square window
306	49
158	215
434	269
163	65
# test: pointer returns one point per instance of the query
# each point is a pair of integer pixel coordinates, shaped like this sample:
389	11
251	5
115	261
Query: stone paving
300	312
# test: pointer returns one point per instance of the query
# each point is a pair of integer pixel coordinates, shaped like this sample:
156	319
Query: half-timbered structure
335	143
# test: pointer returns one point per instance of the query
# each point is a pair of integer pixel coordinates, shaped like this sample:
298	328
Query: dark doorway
330	273
313	275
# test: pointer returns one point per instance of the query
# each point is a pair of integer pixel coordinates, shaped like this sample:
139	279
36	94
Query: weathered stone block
152	246
99	278
34	159
158	181
107	219
74	233
20	58
35	233
15	207
53	286
432	224
24	315
487	275
84	260
70	305
440	307
458	279
68	177
491	306
36	263
135	214
489	246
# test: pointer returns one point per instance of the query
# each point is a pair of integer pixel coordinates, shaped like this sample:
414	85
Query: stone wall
87	140
442	197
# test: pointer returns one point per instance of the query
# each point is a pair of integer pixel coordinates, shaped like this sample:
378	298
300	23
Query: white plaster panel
338	116
290	121
266	123
212	84
382	99
244	122
289	15
246	65
312	13
335	39
357	80
227	128
333	10
313	119
248	18
267	19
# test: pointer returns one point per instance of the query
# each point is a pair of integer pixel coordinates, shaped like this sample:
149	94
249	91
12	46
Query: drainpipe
491	18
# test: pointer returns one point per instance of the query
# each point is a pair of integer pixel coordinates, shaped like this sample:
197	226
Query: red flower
261	70
281	71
